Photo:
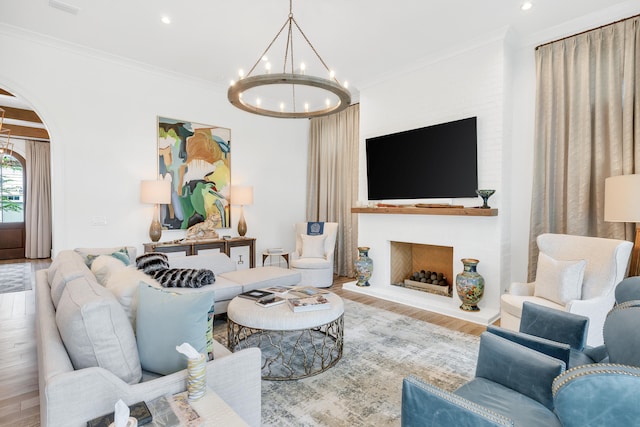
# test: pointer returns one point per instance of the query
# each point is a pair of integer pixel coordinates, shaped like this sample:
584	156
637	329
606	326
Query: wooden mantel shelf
427	211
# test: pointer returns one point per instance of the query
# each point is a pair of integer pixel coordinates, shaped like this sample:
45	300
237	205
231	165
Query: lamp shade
242	195
155	192
622	198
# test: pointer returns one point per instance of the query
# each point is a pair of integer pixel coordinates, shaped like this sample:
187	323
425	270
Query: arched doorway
12	205
25	190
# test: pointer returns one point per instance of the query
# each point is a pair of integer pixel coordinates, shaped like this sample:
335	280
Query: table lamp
155	192
622	204
242	195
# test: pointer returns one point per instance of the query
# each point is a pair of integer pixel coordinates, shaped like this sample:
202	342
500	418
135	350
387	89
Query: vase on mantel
470	285
363	266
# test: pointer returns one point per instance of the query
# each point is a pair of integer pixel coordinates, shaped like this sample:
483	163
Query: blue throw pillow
166	320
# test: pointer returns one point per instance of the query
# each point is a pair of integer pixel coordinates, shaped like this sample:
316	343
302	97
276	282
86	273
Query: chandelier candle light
335	97
155	192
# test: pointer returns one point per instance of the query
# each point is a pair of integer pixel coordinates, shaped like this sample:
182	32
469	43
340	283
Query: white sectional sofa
72	301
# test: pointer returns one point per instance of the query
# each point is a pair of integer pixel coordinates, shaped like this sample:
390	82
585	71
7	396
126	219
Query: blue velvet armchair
512	386
518	383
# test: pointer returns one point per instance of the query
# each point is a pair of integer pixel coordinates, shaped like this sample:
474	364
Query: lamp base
634	264
155	230
242	225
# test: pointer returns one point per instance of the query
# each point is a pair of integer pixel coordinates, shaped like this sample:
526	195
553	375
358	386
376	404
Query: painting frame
196	159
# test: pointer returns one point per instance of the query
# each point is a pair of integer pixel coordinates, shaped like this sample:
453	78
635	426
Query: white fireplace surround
470	237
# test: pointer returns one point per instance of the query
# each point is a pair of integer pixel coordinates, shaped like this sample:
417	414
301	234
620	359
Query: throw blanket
184	277
315	228
156	265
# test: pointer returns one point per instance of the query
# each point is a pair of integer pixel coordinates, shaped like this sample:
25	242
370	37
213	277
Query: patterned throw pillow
152	262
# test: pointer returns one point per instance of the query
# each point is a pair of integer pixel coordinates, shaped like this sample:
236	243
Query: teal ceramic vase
470	285
364	266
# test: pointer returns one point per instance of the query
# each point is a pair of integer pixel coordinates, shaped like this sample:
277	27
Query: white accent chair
313	256
576	274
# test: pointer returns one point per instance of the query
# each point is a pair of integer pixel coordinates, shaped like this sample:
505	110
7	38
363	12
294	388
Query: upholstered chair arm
554	349
522	289
596	310
425	405
598	354
554	325
517	367
598	395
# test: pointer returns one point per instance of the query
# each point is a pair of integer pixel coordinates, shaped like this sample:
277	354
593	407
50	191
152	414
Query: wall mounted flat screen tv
433	162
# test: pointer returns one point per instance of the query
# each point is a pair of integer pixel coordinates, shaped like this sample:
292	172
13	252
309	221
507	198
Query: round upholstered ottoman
294	344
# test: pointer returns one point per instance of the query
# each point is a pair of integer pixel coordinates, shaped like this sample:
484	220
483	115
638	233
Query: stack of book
317	302
263	298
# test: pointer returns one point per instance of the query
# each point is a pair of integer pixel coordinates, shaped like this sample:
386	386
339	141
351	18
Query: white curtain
332	180
587	129
38	201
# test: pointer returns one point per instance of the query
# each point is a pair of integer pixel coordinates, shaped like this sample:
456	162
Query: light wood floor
19	405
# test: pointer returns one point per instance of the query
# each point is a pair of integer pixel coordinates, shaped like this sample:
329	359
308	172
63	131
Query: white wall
494	80
462	84
101	113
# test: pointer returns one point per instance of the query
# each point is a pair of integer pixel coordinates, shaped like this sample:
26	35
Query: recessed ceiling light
166	20
526	5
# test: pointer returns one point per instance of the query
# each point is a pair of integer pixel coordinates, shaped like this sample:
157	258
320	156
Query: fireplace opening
422	267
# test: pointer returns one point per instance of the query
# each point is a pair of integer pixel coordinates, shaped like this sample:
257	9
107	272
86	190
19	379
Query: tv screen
432	162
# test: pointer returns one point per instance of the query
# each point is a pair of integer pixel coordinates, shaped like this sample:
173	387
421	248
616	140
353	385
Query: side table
267	254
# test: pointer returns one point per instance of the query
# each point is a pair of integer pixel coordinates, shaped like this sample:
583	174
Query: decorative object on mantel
155	192
485	194
242	195
364	266
293	84
470	285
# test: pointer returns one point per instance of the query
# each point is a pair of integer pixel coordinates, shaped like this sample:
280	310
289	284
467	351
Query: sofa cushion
123	284
104	265
65	273
126	254
313	246
559	281
62	258
96	331
166	320
218	263
263	277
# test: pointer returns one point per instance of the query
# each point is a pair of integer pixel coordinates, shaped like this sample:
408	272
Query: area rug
364	388
15	277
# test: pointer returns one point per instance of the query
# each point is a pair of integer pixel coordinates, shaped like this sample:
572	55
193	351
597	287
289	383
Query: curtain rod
586	31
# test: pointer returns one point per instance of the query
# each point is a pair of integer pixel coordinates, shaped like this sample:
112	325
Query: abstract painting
196	158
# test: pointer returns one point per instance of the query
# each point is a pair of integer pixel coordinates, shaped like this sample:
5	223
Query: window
11	189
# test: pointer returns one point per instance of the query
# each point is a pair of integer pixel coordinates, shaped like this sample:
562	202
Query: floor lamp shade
242	195
155	192
622	204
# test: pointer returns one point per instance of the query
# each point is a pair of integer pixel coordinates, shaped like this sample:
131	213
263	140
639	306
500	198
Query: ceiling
364	41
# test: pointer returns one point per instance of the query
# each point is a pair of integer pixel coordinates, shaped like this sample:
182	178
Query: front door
12	234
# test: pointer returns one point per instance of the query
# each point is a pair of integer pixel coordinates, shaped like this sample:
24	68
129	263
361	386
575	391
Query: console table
192	247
